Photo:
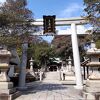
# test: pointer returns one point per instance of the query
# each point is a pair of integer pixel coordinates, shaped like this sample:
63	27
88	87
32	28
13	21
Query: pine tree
15	25
93	12
15	21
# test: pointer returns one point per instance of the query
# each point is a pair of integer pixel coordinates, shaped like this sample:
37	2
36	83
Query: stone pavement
50	90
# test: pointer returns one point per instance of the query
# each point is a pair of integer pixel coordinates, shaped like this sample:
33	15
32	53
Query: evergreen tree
92	9
15	22
15	26
93	12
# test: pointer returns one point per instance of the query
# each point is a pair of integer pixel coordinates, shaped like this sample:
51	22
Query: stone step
52	76
8	91
15	95
5	96
68	82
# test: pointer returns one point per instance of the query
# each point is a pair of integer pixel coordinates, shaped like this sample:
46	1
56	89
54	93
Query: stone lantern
31	67
69	67
92	87
7	91
5	84
4	65
31	64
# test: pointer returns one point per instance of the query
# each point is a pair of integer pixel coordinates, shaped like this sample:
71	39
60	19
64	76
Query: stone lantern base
7	92
70	76
92	90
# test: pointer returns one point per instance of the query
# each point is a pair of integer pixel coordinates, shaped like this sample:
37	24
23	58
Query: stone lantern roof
94	55
93	64
5	52
93	50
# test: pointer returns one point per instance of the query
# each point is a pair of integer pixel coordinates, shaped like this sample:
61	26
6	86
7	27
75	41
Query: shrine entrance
73	22
53	68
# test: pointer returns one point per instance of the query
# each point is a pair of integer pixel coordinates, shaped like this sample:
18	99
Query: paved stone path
51	90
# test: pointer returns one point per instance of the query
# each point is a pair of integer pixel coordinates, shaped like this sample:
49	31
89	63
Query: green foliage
93	12
40	51
15	22
93	15
63	46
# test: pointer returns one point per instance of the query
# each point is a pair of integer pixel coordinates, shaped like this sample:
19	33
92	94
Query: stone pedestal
92	89
68	74
7	90
68	77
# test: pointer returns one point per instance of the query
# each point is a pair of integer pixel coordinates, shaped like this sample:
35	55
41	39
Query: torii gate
72	22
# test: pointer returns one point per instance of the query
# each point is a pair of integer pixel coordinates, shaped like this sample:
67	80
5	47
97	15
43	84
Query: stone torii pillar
76	57
22	75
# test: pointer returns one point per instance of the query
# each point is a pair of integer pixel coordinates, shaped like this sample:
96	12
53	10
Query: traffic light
49	24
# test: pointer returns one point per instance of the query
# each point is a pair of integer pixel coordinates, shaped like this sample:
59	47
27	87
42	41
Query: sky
60	8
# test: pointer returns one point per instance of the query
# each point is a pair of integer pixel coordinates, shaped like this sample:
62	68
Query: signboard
49	24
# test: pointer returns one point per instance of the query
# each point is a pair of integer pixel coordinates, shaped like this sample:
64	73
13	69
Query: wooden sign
49	24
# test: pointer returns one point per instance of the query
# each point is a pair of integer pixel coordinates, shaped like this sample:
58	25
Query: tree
93	12
15	26
63	46
40	51
15	21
